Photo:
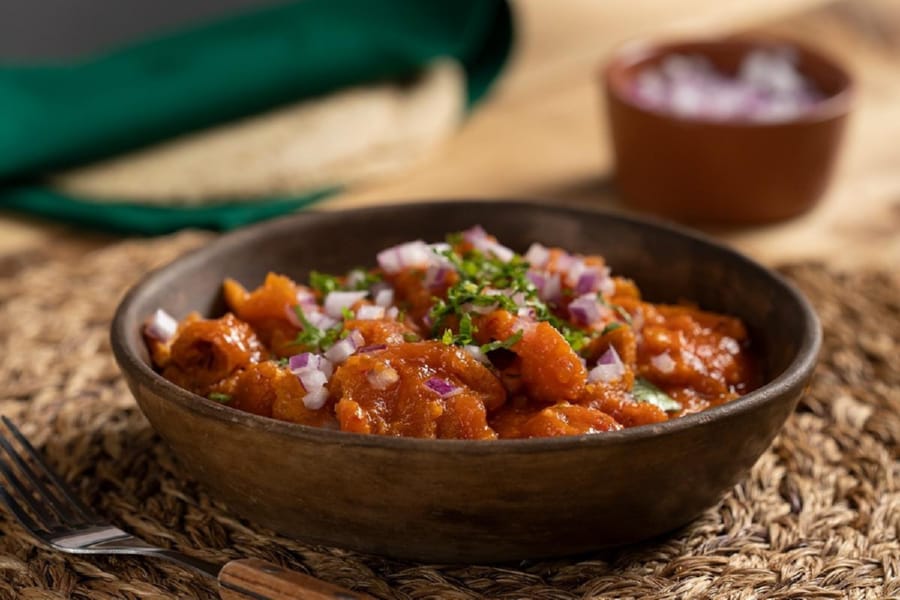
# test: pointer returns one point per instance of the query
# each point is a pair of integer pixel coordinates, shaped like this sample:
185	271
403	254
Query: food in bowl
767	87
463	339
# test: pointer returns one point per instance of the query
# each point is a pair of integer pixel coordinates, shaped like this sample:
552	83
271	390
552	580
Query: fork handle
252	579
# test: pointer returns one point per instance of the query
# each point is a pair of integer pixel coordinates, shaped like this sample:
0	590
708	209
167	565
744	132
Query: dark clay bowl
472	501
724	171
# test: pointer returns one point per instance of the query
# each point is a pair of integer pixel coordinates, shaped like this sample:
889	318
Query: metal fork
49	510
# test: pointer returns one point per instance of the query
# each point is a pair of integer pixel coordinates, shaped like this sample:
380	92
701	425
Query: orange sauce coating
401	380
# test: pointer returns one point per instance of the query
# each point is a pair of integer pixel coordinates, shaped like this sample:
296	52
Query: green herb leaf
323	282
610	327
347	314
644	391
507	343
447	338
313	338
281	362
410	337
218	397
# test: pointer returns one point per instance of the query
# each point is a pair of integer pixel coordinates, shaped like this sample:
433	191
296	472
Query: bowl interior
346	489
667	265
726	56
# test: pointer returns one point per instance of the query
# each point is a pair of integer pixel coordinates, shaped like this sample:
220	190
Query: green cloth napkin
60	115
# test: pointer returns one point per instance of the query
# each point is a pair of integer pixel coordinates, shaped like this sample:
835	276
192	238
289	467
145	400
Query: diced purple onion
576	268
308	361
371	348
382	378
537	279
442	387
474	234
368	312
335	302
500	251
526	311
564	262
320	320
411	254
162	326
478	237
316	399
768	87
435	276
301	361
584	310
345	348
306	297
537	256
663	363
552	288
609	367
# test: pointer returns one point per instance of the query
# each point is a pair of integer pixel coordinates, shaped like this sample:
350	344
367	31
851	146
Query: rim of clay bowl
629	54
790	379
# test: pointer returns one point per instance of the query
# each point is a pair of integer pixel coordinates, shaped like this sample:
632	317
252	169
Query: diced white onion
382	377
162	326
335	302
537	255
609	367
663	363
316	399
404	256
312	379
368	312
477	354
585	309
384	297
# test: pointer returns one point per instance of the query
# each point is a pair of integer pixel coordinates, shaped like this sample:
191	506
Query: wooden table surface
542	133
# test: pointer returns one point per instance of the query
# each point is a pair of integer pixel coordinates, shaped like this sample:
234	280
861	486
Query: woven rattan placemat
817	517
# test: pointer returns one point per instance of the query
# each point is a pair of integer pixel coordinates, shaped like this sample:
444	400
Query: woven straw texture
817	517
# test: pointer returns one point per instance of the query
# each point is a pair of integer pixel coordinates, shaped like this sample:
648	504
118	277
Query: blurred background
126	118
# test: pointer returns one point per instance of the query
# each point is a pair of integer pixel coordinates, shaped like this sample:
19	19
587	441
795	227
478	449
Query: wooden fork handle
252	579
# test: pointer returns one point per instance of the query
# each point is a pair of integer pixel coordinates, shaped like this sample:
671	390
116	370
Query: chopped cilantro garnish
323	282
219	397
281	362
505	344
626	316
447	338
365	282
313	338
480	276
610	327
411	337
347	314
644	391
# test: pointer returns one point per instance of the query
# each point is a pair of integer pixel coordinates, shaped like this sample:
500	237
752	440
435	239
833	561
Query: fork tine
75	510
22	515
47	519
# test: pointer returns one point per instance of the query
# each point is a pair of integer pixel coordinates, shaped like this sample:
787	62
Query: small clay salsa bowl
473	501
698	168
